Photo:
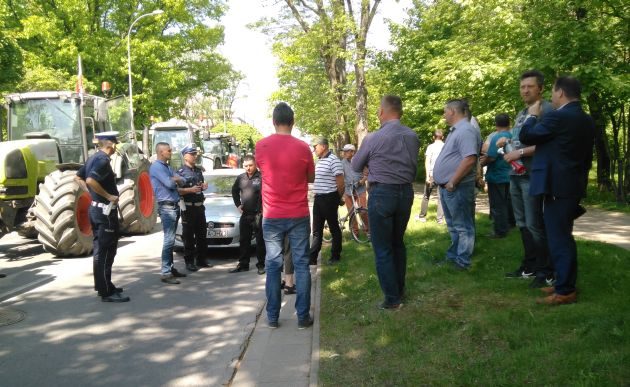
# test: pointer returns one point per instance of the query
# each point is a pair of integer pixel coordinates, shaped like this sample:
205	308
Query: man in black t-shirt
98	178
246	193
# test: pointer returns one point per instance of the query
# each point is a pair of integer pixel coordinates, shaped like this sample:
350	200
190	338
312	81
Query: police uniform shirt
98	168
246	191
192	177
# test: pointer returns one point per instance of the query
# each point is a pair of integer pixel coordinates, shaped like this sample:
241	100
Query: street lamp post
154	13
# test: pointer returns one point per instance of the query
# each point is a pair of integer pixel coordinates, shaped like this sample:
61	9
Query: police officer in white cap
194	228
98	178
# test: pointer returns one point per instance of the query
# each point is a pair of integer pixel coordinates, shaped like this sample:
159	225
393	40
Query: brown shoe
558	299
549	290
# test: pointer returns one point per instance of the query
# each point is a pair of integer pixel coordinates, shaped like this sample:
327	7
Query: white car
222	216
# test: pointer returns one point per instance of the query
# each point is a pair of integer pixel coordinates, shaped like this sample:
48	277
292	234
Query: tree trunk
601	144
366	17
361	129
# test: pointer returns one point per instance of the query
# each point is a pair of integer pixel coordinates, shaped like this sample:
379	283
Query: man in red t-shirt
287	166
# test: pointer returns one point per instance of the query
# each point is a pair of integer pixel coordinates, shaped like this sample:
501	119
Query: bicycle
357	218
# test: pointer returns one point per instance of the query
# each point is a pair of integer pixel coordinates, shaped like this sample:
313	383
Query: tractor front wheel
63	222
138	210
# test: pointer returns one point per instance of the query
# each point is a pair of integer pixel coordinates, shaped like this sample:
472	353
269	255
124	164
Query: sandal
289	289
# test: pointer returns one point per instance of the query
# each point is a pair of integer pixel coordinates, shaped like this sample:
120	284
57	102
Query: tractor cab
176	133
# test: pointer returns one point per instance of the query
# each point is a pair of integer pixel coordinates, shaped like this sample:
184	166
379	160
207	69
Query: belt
442	185
196	204
167	203
327	193
375	183
101	205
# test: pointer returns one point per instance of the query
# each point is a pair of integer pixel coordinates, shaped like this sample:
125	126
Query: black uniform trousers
326	209
250	224
106	231
194	231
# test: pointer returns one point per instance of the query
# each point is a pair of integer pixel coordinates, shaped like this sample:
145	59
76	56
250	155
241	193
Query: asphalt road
168	335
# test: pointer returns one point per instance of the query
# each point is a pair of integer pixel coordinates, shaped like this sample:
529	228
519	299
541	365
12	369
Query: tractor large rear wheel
138	210
63	222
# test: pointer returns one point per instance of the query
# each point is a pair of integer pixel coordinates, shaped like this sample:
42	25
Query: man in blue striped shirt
328	188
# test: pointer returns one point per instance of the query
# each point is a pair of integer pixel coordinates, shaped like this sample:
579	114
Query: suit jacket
564	151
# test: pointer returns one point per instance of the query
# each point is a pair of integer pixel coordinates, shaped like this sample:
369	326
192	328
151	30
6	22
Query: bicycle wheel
358	226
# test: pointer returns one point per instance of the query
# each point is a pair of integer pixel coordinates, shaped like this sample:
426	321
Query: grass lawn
473	328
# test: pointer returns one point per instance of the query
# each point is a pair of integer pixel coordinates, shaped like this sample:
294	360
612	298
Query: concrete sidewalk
284	356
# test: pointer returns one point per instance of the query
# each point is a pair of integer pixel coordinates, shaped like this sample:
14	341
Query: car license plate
217	233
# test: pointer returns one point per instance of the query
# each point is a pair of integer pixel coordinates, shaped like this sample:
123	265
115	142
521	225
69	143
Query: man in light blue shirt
165	186
454	173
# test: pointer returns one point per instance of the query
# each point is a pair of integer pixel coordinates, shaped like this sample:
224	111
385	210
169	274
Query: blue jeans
170	216
298	231
459	213
528	212
389	208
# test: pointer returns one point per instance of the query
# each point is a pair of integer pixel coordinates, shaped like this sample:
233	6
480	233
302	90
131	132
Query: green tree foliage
319	43
245	134
173	55
477	49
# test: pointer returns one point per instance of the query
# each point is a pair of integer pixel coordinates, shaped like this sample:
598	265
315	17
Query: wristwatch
520	151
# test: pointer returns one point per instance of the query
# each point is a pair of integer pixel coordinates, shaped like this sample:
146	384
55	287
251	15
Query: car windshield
177	139
219	185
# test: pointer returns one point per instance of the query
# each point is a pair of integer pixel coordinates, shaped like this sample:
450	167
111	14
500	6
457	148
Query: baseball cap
349	147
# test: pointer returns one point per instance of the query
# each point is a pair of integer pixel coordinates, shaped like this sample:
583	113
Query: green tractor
50	135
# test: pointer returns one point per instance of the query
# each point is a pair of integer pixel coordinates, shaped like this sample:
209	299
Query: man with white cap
194	227
97	177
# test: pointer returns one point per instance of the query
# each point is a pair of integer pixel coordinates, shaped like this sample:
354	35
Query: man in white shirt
433	150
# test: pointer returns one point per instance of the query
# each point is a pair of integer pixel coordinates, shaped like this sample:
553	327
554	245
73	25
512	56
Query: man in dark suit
564	152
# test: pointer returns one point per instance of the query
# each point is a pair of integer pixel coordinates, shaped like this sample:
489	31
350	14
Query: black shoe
175	273
312	261
303	324
332	261
538	282
289	289
115	297
118	290
203	264
261	270
386	306
239	269
170	279
191	267
520	273
272	324
282	285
